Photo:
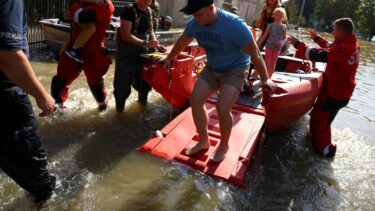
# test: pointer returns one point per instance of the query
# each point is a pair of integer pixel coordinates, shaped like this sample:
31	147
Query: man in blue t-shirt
228	42
21	155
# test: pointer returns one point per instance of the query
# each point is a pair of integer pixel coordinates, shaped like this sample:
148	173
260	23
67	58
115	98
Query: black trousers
128	71
21	155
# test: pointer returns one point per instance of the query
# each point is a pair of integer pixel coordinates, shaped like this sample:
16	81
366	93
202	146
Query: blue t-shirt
223	41
13	31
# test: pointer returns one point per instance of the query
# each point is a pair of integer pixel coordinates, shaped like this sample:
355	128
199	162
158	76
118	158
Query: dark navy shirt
13	31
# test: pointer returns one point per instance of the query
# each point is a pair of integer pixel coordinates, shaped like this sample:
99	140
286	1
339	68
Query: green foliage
292	11
366	17
362	12
330	10
293	8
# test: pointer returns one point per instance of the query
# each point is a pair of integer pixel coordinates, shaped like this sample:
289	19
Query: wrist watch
145	43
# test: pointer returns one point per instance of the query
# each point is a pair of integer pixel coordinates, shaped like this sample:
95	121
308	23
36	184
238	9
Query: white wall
248	9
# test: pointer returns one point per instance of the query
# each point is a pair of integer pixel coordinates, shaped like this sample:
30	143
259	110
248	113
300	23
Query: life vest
126	50
138	19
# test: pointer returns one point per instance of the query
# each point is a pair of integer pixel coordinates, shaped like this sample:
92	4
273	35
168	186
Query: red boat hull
180	134
176	83
293	99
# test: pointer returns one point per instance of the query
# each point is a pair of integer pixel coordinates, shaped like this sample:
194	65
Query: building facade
249	10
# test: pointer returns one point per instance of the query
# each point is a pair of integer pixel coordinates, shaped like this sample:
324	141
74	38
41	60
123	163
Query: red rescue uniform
95	63
342	59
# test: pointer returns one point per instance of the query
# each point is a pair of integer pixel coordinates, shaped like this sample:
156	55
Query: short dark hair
346	24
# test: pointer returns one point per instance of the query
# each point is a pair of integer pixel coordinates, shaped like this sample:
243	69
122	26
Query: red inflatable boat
293	99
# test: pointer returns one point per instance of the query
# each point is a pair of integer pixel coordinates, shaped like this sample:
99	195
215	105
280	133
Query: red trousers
322	116
95	66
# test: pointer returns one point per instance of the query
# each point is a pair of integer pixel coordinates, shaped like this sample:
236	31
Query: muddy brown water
93	155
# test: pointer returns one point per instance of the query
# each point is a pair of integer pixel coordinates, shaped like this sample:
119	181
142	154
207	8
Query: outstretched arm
332	54
182	42
319	40
17	68
313	54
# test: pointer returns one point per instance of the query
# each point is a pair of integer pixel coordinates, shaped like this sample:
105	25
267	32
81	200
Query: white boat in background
56	32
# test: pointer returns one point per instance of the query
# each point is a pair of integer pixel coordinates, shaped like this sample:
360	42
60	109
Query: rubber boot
142	98
100	93
44	194
120	101
59	90
120	104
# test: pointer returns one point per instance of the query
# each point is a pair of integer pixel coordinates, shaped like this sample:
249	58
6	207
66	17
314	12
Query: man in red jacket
342	58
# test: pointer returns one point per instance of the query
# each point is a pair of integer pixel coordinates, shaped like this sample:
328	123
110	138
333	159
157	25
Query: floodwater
93	155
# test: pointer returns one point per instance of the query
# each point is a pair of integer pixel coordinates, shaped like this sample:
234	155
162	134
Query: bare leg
268	61
275	56
228	96
201	93
87	32
64	47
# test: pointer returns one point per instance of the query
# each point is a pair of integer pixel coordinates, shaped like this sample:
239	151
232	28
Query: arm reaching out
180	45
17	68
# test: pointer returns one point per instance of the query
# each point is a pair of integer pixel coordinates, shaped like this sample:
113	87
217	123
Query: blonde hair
282	11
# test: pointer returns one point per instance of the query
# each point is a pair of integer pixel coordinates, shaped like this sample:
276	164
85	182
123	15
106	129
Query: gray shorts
236	77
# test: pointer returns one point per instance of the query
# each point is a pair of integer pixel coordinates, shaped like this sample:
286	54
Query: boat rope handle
169	69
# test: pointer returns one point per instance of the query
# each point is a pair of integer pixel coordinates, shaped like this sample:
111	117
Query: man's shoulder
128	12
192	25
230	16
130	8
232	19
9	6
11	13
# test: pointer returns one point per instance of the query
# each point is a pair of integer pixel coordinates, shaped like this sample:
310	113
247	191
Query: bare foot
220	154
201	145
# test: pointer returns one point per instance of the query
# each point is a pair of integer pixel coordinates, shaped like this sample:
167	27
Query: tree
292	11
366	17
329	10
293	8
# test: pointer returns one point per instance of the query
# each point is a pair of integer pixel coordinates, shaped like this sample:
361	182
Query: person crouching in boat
135	37
342	58
228	42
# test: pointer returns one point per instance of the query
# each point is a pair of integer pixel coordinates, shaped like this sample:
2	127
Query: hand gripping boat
293	99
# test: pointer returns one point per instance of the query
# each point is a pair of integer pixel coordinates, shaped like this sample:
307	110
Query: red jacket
103	18
342	59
